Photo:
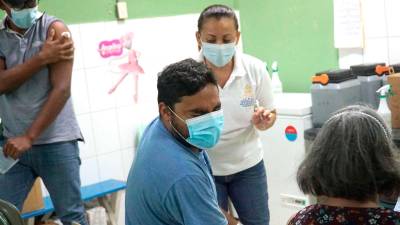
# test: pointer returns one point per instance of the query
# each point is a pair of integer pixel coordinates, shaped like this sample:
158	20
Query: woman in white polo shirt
247	102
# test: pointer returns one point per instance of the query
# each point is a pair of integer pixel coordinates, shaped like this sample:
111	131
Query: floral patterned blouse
331	215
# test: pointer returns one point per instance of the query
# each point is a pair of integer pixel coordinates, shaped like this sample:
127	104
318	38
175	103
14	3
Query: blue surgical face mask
24	18
218	54
205	130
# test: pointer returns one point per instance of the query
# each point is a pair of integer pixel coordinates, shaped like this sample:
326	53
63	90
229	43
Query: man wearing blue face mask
40	127
170	181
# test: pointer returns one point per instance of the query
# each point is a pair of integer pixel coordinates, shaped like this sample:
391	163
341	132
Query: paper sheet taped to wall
348	24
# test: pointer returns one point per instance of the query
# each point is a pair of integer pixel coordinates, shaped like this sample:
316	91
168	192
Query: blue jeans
248	192
58	166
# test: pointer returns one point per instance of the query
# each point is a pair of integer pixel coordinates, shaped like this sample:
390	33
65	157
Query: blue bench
90	192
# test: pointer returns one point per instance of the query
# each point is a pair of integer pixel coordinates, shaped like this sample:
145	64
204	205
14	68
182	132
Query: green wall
80	11
297	33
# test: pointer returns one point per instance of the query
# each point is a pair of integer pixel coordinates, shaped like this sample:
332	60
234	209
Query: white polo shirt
239	147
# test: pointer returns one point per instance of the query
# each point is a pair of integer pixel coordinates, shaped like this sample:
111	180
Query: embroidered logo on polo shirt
248	98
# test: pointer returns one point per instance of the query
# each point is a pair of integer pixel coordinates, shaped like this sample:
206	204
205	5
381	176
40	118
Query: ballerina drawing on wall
115	48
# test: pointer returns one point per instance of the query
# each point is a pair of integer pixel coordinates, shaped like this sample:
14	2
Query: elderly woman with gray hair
351	163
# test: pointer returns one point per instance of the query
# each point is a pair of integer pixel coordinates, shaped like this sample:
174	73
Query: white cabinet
283	152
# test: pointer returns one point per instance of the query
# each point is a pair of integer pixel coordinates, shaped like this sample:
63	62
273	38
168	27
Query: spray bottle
383	108
276	82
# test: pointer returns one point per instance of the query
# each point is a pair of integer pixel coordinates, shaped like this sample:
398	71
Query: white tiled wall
90	171
87	148
382	35
110	166
80	93
109	121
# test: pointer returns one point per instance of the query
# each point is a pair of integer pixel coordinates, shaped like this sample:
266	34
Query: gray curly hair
352	157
